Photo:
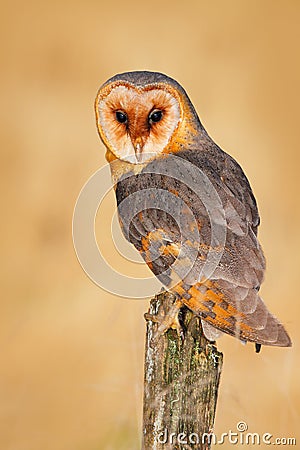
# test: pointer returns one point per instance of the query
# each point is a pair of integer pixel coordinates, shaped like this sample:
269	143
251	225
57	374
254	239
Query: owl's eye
121	117
155	116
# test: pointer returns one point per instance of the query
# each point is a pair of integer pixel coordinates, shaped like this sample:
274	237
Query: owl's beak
138	148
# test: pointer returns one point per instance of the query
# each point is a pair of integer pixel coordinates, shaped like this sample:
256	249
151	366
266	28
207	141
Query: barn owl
183	202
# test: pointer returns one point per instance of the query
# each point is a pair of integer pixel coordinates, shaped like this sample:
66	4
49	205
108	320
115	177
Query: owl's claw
167	319
257	347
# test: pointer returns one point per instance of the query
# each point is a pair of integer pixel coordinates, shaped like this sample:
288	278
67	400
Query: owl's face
136	123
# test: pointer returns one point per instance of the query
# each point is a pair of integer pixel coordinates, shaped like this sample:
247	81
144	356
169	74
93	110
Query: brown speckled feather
229	300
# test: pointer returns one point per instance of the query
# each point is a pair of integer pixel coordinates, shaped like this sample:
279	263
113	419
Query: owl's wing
194	219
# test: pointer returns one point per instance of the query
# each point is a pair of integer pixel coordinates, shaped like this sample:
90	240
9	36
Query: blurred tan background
71	354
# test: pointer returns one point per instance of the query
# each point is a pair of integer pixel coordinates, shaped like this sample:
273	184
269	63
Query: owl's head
143	114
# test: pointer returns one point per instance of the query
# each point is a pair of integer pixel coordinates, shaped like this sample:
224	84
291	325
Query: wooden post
181	383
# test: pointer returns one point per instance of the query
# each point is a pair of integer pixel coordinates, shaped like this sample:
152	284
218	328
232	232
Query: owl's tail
244	317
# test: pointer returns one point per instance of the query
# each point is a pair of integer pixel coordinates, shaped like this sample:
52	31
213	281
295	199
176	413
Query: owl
186	206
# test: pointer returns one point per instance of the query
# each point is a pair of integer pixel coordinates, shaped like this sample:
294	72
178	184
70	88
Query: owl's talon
167	320
151	317
257	347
